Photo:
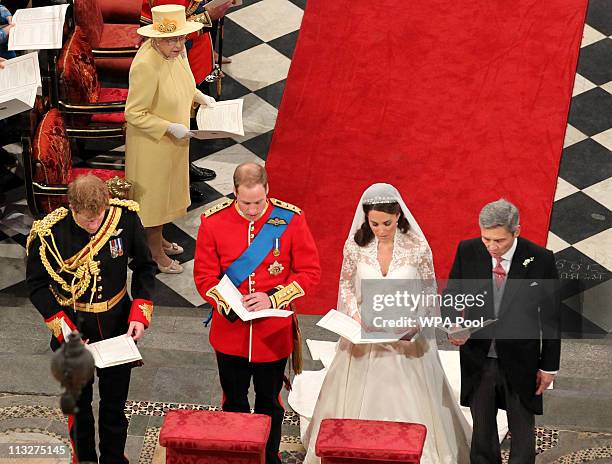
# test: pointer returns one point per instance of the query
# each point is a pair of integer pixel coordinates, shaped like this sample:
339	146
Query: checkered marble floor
260	37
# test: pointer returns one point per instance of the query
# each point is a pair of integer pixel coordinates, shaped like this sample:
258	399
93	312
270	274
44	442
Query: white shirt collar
507	256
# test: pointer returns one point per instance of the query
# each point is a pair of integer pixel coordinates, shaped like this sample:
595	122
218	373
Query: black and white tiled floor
260	37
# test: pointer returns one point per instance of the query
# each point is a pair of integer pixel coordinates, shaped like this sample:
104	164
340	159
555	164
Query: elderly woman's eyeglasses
174	40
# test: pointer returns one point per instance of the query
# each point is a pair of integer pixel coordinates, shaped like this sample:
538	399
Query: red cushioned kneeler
351	441
211	437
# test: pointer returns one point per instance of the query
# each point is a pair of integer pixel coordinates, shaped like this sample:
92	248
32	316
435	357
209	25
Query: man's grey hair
500	213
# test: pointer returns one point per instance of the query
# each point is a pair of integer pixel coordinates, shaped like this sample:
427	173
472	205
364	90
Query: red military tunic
223	236
200	54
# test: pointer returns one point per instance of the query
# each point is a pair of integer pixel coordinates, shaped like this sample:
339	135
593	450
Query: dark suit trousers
521	421
113	385
235	375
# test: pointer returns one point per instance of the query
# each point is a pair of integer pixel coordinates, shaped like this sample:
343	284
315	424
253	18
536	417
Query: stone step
577	410
586	385
582	394
180	363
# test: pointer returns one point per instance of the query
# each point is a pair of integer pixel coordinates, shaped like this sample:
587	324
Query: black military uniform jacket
81	278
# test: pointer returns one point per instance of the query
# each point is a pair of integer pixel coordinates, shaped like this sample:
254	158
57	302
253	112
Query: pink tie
499	273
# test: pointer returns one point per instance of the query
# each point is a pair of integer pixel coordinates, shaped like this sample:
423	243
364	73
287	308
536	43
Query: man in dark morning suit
511	362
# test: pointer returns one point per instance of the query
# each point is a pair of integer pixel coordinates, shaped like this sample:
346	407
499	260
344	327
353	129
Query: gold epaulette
285	205
44	225
218	207
129	204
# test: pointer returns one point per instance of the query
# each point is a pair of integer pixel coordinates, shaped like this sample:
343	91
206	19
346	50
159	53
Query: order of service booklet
19	84
233	297
38	28
110	352
220	121
349	328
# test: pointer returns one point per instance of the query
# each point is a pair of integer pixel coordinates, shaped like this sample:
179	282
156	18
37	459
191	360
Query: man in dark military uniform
266	249
77	273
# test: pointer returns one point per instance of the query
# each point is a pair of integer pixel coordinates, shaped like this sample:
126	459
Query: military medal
276	251
275	268
116	247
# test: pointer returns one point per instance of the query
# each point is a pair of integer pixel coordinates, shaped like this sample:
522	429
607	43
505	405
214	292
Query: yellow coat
161	92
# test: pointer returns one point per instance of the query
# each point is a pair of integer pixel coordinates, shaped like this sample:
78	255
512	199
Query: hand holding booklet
233	297
19	84
349	328
222	120
114	351
110	352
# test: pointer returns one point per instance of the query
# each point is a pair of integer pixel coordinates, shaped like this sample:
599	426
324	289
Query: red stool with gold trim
344	441
214	437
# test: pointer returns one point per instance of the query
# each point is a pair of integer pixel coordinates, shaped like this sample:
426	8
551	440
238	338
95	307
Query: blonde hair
89	194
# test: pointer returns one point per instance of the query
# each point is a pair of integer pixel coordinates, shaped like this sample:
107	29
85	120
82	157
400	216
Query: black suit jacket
527	330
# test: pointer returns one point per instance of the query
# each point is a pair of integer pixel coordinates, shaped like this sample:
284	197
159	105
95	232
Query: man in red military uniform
265	247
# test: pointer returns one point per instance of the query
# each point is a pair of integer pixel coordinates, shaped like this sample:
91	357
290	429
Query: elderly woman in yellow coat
161	94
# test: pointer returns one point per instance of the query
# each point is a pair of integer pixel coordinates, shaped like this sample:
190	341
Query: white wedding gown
401	381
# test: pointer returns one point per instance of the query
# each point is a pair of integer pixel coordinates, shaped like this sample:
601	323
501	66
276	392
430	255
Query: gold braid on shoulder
129	204
82	266
43	226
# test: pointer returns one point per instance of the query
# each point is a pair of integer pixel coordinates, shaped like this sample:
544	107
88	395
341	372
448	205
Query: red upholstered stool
344	441
211	437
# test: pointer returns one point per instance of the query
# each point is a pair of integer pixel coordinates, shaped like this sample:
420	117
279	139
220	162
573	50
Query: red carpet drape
455	103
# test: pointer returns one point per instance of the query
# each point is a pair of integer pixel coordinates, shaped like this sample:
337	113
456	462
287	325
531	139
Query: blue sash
253	256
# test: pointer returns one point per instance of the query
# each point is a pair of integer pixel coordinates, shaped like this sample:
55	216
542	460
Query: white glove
179	131
204	100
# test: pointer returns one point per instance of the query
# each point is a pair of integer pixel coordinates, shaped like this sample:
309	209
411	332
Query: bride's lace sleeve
428	280
347	298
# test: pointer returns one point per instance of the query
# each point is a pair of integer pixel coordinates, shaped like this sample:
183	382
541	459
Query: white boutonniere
527	261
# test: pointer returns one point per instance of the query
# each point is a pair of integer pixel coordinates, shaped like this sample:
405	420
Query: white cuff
549	372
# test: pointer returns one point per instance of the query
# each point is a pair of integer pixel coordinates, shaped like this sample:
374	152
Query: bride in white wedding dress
400	381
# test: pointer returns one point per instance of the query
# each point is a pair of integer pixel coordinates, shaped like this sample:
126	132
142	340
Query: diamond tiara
379	199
